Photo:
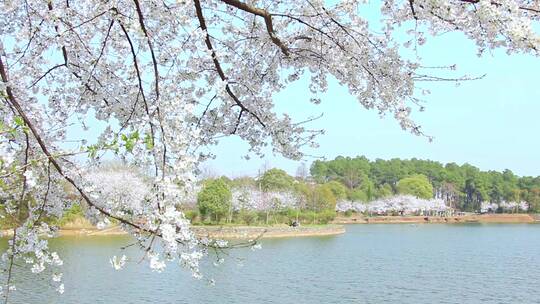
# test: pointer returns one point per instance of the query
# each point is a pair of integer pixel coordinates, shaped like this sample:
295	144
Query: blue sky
492	123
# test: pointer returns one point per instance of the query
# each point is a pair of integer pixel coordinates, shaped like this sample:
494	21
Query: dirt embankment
215	232
249	232
474	218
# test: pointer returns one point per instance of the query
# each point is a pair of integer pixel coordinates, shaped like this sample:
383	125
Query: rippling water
368	264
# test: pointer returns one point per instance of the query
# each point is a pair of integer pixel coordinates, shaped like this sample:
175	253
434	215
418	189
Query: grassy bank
263	218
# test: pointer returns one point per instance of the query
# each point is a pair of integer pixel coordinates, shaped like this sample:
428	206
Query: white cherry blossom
156	81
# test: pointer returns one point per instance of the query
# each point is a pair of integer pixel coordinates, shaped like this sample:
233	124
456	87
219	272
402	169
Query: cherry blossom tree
166	78
253	199
488	207
121	189
399	204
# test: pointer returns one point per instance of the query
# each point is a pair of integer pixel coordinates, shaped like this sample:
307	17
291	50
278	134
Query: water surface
369	264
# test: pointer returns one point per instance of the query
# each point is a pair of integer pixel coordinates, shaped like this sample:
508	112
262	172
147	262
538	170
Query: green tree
384	190
388	171
214	200
417	185
323	198
276	179
510	186
338	189
319	171
316	197
533	198
476	187
349	171
368	187
358	195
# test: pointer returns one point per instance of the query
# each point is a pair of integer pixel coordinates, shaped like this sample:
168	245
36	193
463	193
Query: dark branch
219	69
267	20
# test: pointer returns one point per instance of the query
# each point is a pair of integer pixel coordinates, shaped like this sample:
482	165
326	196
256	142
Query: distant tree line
464	187
359	183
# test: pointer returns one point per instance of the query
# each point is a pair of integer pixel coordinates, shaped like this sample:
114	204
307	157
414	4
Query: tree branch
219	69
45	150
267	20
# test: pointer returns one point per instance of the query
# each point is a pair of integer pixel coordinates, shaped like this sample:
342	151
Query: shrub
191	215
326	216
248	217
71	215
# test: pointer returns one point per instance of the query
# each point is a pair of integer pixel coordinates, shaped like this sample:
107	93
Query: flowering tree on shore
489	207
165	78
253	199
257	200
123	190
399	204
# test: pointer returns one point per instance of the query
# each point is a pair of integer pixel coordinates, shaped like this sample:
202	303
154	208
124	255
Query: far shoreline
336	227
503	218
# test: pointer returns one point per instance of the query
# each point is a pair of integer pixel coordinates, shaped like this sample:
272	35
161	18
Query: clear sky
492	123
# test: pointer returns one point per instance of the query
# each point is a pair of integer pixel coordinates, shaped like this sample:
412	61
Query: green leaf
19	121
92	151
134	135
149	142
129	145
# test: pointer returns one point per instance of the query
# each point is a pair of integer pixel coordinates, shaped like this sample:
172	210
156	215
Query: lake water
369	264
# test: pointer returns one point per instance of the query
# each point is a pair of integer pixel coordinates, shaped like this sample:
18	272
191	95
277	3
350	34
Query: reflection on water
368	264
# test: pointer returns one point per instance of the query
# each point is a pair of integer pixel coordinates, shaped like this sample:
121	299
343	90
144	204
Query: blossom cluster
400	204
486	207
253	199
